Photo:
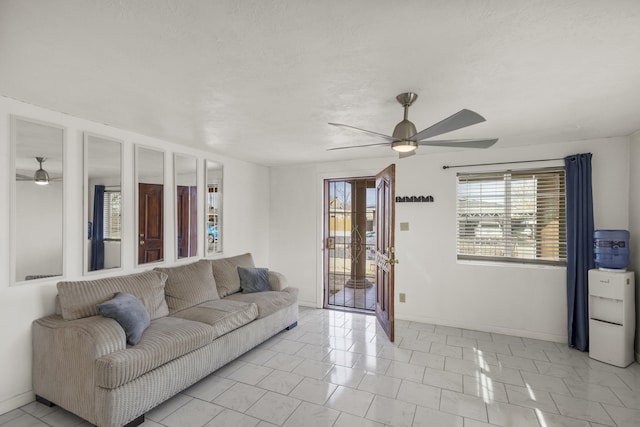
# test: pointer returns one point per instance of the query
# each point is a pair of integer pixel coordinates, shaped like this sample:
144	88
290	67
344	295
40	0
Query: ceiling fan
405	139
40	177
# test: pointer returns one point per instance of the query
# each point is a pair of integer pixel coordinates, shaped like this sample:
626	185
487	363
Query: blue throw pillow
129	312
254	279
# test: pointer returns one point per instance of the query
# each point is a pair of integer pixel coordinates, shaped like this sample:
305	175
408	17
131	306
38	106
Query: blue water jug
611	248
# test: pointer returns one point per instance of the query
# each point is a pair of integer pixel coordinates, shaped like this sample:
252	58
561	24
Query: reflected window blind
112	217
517	216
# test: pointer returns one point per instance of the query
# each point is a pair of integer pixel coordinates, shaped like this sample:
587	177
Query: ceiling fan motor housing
404	130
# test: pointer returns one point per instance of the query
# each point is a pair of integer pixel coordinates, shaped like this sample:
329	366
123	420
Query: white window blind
517	216
111	215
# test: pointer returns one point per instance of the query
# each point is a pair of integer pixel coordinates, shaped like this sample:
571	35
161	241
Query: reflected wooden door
385	251
150	223
187	220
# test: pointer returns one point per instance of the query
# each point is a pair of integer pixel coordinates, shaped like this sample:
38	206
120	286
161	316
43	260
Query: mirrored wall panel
213	205
103	172
150	200
38	217
186	181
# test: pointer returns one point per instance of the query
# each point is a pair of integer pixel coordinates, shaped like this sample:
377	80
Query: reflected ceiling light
41	177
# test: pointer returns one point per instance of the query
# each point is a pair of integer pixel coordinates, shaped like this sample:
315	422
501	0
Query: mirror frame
85	145
193	159
136	202
13	261
220	224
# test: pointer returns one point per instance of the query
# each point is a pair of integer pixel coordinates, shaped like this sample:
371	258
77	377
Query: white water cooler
612	317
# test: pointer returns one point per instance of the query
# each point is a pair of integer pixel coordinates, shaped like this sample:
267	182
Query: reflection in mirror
150	182
214	207
186	181
103	173
38	199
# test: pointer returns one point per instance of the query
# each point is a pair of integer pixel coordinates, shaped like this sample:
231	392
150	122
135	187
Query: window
112	217
516	216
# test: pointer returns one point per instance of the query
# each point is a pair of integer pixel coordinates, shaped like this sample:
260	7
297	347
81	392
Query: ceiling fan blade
407	154
367	132
359	146
461	143
459	120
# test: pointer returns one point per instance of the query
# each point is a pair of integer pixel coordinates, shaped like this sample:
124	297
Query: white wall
522	300
634	225
245	222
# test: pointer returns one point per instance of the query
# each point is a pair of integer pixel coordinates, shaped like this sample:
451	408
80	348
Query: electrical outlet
404	226
403	297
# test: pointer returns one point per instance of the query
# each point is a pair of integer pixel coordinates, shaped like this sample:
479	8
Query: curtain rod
501	163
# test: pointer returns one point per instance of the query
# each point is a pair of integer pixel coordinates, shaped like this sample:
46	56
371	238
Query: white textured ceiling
259	80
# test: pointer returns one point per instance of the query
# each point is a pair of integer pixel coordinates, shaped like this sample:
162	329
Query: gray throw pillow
129	312
254	279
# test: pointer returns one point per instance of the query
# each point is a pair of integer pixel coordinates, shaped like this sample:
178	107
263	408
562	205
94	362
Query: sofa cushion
130	314
226	273
254	279
223	315
165	339
78	299
268	302
189	285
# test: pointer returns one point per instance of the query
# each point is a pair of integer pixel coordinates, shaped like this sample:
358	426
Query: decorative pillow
254	279
189	285
78	299
129	312
226	273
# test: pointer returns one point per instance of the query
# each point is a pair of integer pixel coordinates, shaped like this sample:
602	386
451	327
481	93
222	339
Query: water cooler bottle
612	316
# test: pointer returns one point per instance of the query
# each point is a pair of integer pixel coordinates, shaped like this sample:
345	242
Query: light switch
404	226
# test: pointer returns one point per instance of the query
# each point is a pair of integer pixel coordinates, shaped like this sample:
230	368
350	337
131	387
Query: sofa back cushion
225	271
189	285
78	299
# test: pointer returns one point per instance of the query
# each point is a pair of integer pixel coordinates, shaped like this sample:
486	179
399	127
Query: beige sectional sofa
200	321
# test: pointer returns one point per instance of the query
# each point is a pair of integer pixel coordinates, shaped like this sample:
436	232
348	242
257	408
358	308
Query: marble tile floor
364	298
338	369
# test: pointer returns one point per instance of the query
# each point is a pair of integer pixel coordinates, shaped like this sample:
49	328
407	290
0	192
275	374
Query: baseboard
16	402
310	304
486	328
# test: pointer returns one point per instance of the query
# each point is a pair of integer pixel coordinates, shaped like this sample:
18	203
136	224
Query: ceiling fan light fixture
404	146
41	176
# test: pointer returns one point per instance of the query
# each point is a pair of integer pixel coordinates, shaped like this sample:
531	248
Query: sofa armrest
103	334
277	281
64	359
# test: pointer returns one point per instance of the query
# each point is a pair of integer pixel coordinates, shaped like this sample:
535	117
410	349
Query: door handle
141	242
391	261
331	243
